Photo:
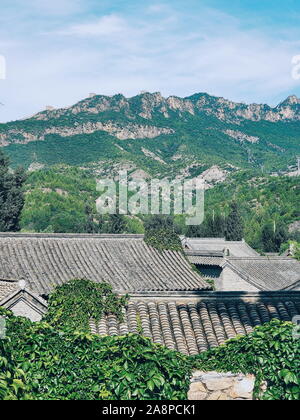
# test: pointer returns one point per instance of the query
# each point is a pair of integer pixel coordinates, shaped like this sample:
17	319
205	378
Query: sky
58	51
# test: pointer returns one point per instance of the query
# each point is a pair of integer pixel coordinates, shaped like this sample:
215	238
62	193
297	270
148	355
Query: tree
90	225
160	233
11	195
158	221
234	224
212	227
273	236
116	224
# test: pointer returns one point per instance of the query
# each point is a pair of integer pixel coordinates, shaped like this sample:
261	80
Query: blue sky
58	51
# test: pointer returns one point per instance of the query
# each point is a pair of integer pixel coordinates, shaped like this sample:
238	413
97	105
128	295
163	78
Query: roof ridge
9	280
262	258
69	235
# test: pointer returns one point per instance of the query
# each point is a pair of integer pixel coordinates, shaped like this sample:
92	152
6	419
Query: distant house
235	266
218	246
259	273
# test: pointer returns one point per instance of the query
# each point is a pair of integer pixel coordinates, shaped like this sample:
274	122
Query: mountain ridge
163	133
198	101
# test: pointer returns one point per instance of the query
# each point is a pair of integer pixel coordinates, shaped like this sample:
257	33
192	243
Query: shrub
12	385
73	366
270	352
72	305
163	239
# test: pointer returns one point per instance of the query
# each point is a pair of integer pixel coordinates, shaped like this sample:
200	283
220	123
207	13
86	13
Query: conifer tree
234	224
273	235
116	224
11	195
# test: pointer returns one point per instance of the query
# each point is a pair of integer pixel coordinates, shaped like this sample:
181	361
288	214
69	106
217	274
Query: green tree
90	225
11	195
158	222
212	227
116	224
160	233
273	236
234	224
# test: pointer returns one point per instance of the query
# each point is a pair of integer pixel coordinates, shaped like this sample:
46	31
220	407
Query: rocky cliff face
164	133
102	113
130	131
147	104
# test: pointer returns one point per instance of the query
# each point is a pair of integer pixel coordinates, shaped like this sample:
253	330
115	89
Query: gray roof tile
267	273
124	261
215	246
7	288
192	326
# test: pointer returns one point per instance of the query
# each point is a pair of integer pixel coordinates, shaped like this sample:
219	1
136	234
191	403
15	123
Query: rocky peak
146	104
291	100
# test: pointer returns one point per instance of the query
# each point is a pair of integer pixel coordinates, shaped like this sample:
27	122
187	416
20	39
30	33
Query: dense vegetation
71	366
63	360
62	199
160	233
268	205
270	352
72	305
12	378
11	195
217	225
44	361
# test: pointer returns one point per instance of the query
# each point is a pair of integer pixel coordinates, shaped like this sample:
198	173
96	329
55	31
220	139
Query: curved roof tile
124	261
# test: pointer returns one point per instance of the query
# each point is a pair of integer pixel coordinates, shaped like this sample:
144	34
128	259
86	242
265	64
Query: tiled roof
192	324
201	260
7	288
267	273
216	245
124	261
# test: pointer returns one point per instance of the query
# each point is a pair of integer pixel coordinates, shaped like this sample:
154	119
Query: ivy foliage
12	379
61	359
75	303
80	366
270	352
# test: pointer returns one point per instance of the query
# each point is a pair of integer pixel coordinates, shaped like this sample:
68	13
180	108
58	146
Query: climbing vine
270	352
61	359
12	378
65	365
74	304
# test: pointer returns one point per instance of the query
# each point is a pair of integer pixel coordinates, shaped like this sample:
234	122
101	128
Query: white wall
21	308
230	281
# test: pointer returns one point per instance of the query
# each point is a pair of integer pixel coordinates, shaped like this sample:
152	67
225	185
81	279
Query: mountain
162	136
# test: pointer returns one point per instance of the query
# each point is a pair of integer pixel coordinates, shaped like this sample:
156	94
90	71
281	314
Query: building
170	302
124	261
259	274
235	266
218	246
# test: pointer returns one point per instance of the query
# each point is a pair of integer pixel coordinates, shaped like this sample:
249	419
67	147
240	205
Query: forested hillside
265	203
62	199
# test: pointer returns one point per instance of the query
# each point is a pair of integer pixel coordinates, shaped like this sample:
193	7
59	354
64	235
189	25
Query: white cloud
106	25
175	53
